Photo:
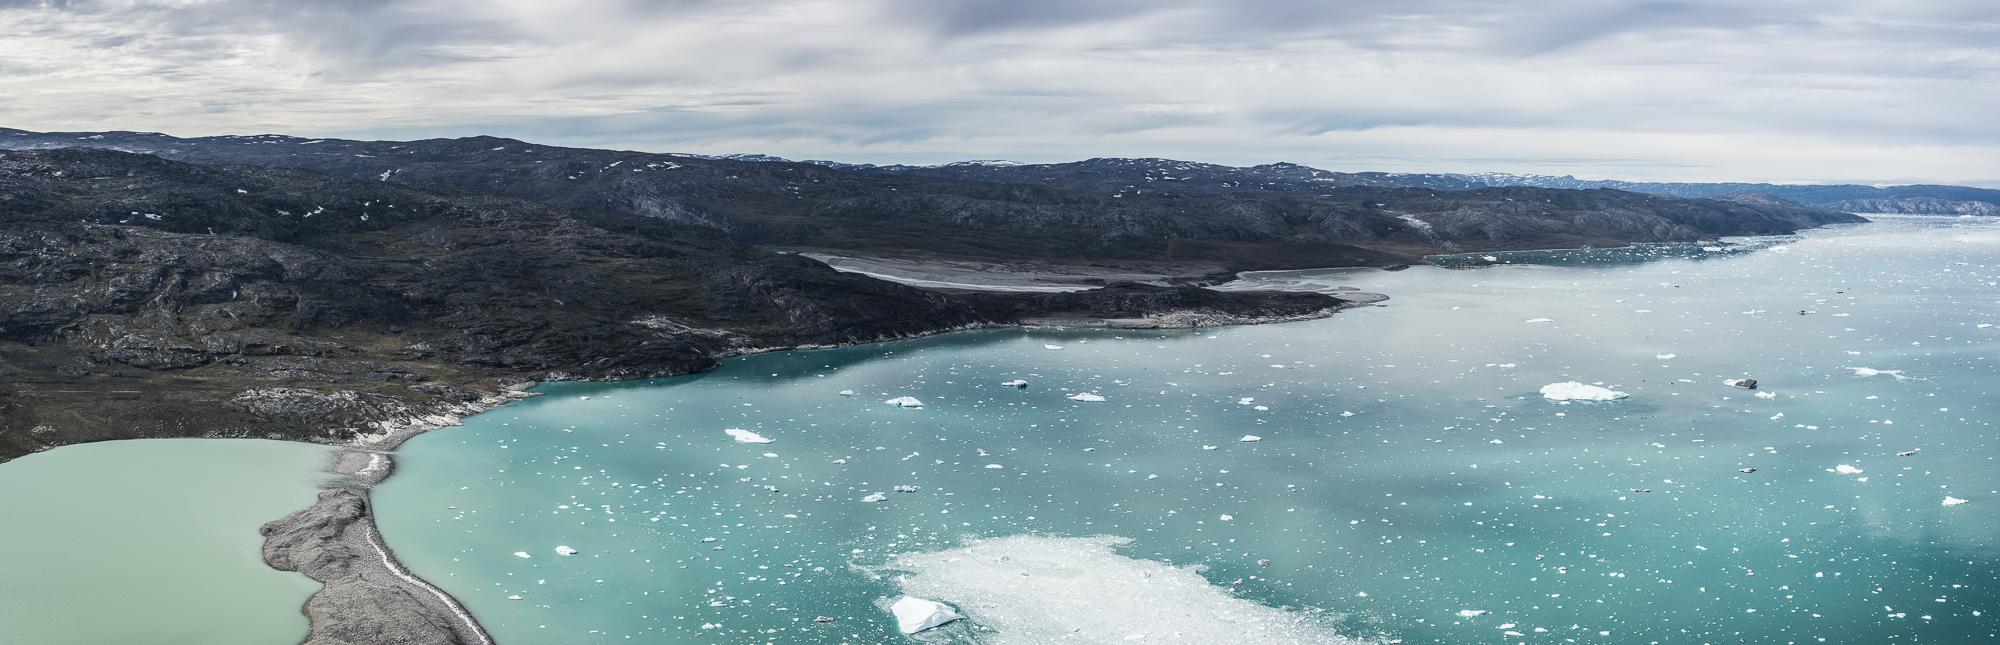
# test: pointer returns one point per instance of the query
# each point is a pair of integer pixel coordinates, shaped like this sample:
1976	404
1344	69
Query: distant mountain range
1101	210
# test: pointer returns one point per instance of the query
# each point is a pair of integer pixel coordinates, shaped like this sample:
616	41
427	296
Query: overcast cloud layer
1785	90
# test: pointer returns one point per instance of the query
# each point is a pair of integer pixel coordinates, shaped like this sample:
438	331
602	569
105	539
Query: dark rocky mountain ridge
1101	210
142	297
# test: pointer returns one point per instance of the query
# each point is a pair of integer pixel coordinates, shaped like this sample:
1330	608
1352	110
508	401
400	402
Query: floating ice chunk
1870	371
1539	320
1034	589
1248	438
1846	469
746	436
1574	391
875	497
1666	357
564	550
1016	383
1767	395
1471	613
1954	501
1246	400
1490	258
847	392
905	402
1226	517
994	466
1086	396
1052	347
1908	453
522	555
915	614
1745	383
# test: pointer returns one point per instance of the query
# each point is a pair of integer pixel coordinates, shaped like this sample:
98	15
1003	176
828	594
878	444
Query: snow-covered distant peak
980	162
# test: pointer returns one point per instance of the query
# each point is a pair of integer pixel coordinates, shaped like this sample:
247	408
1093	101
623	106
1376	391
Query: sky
1874	91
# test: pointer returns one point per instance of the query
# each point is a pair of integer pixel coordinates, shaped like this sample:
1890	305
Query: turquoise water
152	541
1408	470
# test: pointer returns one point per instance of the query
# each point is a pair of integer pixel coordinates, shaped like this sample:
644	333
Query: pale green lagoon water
152	541
1408	470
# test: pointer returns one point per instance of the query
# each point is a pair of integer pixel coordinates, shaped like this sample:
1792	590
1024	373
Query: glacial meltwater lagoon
1406	480
152	541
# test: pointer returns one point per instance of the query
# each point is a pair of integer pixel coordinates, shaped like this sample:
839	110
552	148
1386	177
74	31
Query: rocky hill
142	297
1263	217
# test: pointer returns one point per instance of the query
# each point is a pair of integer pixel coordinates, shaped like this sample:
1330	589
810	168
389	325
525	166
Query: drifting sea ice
1954	501
1086	396
915	614
905	402
746	436
1035	589
1574	391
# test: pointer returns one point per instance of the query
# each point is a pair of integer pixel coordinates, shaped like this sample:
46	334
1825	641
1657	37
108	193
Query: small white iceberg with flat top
1015	383
1250	438
1954	501
1574	391
905	402
1846	469
746	436
915	614
1086	396
562	549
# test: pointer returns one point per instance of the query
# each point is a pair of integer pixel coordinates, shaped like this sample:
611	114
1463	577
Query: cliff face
141	297
1263	217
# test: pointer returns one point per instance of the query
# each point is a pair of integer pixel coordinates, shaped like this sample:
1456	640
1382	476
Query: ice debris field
1427	470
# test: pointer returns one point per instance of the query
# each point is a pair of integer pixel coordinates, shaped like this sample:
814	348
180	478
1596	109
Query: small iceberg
1250	438
1846	469
1471	613
847	392
1539	320
905	402
1954	501
915	614
746	436
875	497
1016	383
1086	396
1745	383
522	555
1051	347
1870	371
1574	391
564	550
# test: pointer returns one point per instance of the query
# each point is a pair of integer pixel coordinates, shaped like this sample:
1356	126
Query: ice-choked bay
1410	480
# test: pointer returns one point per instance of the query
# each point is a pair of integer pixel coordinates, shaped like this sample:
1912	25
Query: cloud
1665	89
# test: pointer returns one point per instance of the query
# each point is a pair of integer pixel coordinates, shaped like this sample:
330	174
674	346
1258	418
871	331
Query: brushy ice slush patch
1035	589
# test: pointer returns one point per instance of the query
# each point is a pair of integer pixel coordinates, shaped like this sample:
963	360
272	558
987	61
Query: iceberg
1954	501
1016	383
1248	438
915	614
1574	391
1846	469
1086	396
746	436
905	402
564	550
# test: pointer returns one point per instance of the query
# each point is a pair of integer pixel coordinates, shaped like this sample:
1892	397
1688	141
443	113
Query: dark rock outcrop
141	297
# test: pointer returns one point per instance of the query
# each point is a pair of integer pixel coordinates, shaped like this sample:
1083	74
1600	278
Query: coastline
369	597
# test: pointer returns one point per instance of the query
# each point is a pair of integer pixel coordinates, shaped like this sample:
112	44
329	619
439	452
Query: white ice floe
915	614
1666	357
1870	371
746	436
564	550
1767	395
1471	613
1740	382
1846	469
1248	438
1086	396
1574	391
1539	320
905	402
1052	347
1015	383
847	392
1036	589
1490	258
875	497
1954	501
522	554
